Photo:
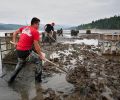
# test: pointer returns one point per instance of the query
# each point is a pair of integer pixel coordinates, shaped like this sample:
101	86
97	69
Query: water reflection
27	89
27	92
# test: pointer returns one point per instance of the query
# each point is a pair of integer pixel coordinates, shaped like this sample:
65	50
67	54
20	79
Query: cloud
60	11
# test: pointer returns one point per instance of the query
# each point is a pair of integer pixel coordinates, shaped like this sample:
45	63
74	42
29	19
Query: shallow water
58	83
25	87
68	31
68	39
85	41
28	89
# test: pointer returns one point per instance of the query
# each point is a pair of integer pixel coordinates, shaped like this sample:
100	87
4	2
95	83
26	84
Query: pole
56	65
0	59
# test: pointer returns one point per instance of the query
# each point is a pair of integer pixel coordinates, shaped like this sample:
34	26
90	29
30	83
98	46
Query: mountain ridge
16	26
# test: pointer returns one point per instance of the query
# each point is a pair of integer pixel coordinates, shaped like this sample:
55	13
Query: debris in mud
93	76
51	95
90	36
96	77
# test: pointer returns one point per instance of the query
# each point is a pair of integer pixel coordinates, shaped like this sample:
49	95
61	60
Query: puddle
68	39
85	41
25	88
67	35
6	93
58	83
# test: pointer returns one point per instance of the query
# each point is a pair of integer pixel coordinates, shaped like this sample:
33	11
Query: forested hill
9	26
106	23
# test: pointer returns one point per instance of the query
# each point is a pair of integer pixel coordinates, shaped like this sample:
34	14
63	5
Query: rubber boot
38	71
50	40
18	68
38	76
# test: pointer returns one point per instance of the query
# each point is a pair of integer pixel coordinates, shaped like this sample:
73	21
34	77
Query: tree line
106	23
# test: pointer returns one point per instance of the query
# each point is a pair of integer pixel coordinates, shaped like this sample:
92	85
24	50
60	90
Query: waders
19	66
34	58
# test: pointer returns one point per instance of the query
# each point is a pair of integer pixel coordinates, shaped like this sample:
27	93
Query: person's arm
17	32
38	49
45	27
52	29
36	39
15	35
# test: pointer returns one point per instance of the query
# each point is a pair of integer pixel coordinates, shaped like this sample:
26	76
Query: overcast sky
69	12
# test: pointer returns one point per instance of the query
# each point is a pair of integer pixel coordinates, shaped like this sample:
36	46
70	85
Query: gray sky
73	12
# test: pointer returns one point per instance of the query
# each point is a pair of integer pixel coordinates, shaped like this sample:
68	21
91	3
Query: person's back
27	37
49	28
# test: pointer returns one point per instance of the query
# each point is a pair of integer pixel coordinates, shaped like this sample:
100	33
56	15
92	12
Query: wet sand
71	55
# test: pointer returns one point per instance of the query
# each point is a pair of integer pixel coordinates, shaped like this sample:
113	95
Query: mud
90	76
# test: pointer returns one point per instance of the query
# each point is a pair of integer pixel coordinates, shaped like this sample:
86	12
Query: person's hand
14	43
42	56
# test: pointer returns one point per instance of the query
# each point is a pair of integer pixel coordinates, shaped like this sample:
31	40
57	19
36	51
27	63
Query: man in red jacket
29	36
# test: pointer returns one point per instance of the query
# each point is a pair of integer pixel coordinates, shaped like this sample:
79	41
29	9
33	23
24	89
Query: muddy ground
90	75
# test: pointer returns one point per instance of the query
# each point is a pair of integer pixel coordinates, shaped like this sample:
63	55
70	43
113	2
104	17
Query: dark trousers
22	58
48	37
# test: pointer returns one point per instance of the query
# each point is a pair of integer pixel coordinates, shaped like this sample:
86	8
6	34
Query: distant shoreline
2	32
